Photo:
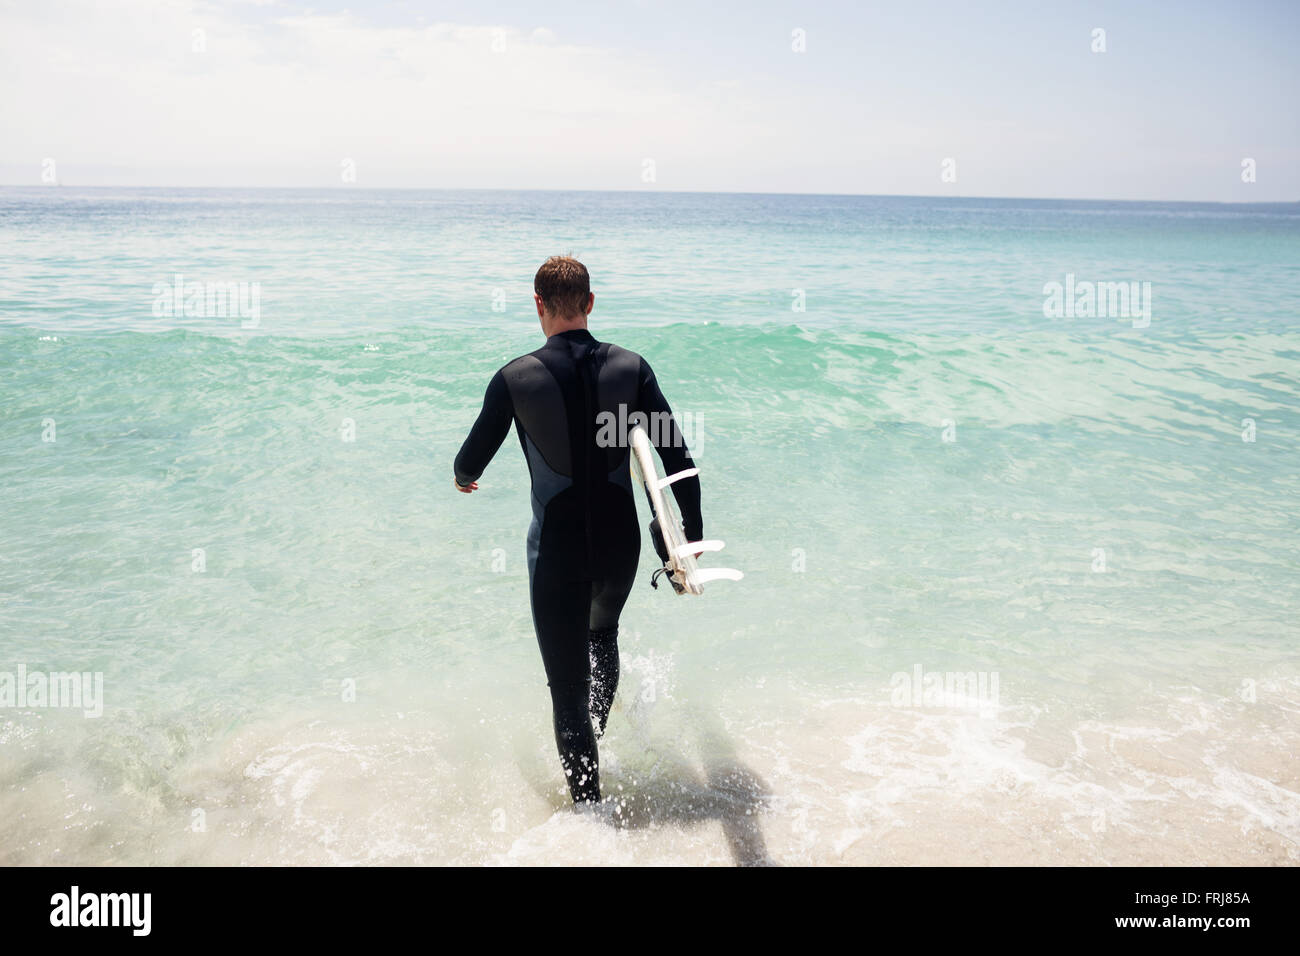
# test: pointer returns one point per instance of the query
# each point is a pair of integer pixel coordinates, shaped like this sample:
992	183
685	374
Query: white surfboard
684	574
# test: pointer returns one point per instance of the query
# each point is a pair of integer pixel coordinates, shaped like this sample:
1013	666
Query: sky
913	98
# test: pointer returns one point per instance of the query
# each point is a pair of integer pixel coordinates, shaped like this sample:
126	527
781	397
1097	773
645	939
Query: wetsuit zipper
588	400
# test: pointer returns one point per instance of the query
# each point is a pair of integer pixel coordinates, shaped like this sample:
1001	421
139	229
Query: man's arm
672	451
486	436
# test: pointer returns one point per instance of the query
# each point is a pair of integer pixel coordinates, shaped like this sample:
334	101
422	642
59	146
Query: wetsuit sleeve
488	433
673	452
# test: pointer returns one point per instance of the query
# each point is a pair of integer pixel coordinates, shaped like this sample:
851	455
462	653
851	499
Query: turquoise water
918	469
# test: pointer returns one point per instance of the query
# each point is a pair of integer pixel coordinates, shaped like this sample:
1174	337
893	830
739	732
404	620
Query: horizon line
698	192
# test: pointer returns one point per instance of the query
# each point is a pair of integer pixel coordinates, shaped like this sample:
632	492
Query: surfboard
677	554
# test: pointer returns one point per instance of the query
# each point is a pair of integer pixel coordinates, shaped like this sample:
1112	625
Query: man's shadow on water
666	789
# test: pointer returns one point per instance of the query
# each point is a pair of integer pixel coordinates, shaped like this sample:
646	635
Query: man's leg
604	674
560	613
607	599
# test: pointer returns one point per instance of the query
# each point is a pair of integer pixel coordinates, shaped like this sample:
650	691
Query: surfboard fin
705	575
688	473
695	547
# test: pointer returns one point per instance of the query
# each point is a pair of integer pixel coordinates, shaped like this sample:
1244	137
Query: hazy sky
580	95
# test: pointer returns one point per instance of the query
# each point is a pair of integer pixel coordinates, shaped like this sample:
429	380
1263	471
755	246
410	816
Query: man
584	541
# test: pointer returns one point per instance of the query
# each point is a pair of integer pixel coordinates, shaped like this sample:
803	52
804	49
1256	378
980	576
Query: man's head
562	291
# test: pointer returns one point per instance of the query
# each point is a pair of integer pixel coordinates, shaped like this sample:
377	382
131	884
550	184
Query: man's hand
465	489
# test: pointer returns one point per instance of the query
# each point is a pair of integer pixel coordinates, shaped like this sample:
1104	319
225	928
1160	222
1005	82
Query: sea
1014	485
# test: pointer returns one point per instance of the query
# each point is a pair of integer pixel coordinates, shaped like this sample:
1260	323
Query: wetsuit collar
572	335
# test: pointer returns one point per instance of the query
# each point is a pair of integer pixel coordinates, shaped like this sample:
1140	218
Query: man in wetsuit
584	541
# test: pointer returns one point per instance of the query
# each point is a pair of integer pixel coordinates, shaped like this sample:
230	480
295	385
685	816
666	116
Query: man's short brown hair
564	286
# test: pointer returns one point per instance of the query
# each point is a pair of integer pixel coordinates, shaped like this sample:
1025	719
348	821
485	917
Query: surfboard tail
677	554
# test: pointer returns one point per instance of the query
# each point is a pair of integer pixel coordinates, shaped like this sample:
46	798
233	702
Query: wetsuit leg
604	674
560	613
607	599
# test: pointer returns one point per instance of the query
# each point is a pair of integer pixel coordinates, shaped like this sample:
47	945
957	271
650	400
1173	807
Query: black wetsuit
584	540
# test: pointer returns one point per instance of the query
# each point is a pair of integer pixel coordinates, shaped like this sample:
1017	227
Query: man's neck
567	325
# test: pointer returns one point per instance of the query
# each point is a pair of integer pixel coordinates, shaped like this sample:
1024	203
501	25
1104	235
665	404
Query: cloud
178	85
187	92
